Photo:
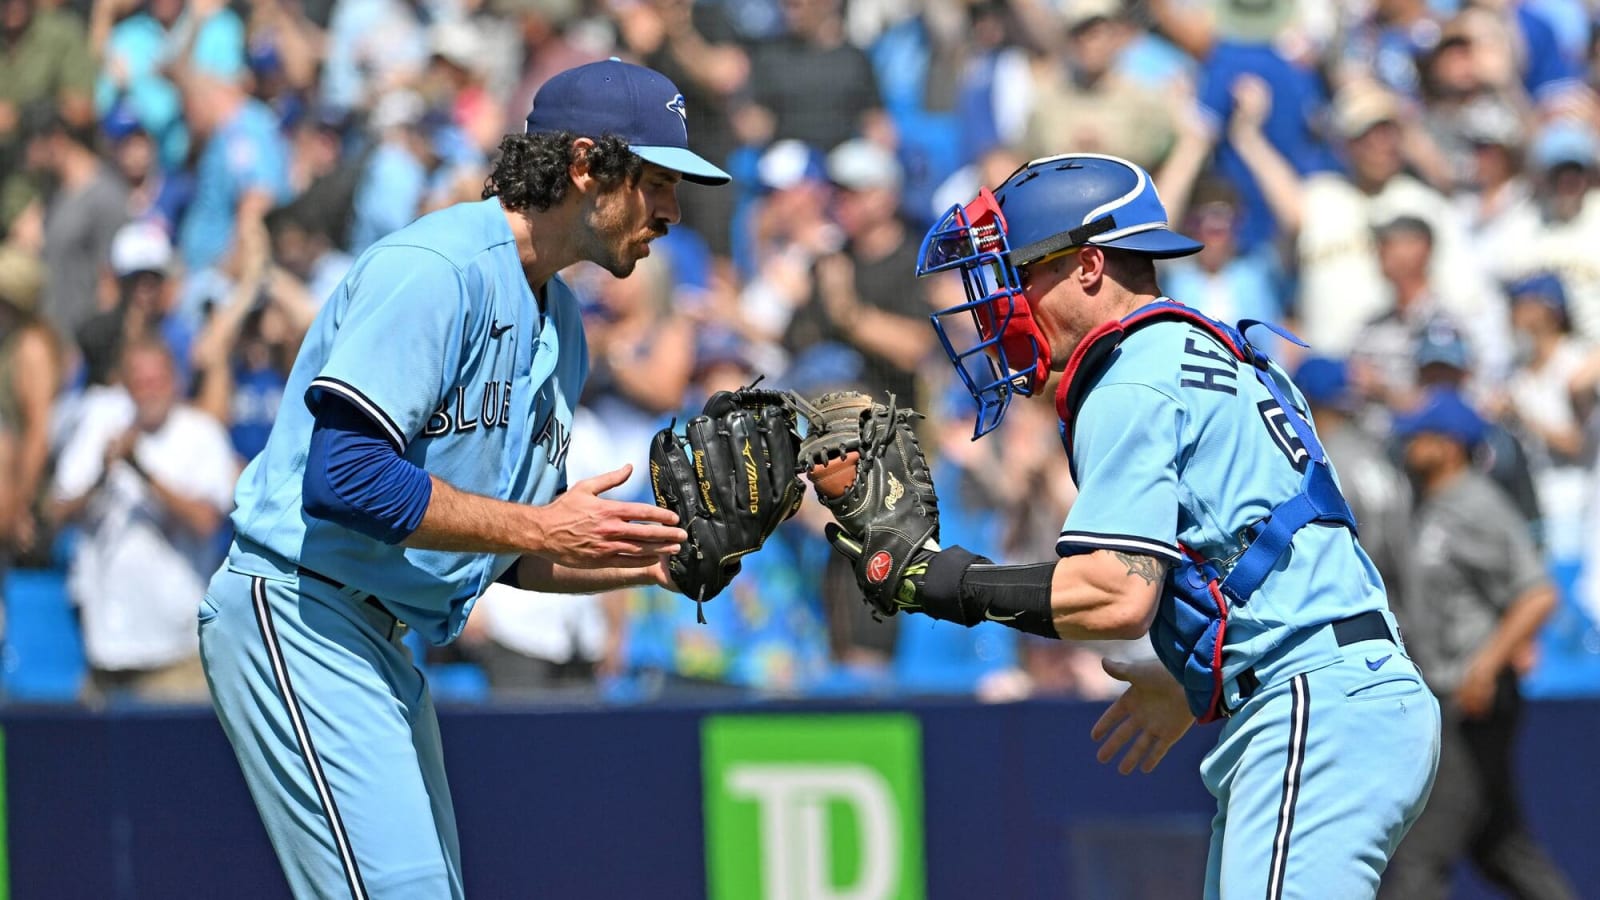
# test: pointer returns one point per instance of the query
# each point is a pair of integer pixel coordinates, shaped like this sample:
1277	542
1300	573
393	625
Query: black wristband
963	587
940	589
1015	596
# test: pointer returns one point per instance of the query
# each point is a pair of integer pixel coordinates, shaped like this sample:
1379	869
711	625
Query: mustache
658	228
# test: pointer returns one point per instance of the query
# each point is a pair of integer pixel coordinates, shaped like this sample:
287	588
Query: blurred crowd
1409	185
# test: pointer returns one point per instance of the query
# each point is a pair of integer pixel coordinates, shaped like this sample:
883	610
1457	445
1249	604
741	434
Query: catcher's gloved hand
731	481
887	512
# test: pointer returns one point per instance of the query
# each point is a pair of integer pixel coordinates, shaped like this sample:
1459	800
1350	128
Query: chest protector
1191	626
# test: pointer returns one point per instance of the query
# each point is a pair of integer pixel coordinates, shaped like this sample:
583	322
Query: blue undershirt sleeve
356	478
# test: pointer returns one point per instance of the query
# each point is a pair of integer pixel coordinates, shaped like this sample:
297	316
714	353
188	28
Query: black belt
366	599
1367	626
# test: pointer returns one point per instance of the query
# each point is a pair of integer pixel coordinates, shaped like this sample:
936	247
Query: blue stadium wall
611	803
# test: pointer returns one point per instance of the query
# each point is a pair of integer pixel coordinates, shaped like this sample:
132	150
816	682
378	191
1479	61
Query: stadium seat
458	683
42	661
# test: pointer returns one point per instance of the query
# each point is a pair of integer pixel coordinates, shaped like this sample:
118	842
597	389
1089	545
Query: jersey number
1283	433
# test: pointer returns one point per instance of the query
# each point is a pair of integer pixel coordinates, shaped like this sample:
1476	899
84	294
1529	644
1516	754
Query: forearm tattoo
1149	568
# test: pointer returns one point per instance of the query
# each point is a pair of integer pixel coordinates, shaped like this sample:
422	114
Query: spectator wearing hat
1081	104
778	237
1494	195
155	193
1376	489
455	81
1332	218
1561	232
284	53
392	186
141	260
1444	362
1537	405
85	203
860	296
148	481
1481	595
30	364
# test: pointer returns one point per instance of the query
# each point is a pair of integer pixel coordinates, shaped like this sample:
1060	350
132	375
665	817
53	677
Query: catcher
1208	516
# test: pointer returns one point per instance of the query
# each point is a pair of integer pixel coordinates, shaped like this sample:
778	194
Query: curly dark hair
531	170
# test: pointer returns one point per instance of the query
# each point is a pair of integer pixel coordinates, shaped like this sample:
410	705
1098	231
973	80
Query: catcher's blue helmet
1045	208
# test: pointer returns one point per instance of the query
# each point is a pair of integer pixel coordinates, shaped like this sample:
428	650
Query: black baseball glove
731	479
888	515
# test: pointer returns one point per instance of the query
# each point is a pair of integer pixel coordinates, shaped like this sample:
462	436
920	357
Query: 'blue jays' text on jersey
1177	442
436	336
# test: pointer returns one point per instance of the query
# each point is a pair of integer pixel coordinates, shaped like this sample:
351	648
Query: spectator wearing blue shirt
136	49
242	172
396	178
1549	72
155	194
1387	43
1298	105
243	354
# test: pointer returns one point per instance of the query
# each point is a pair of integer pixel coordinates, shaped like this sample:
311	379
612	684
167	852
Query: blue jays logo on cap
639	105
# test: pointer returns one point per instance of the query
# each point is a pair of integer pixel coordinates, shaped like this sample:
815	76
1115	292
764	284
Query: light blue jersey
1179	448
435	334
1178	443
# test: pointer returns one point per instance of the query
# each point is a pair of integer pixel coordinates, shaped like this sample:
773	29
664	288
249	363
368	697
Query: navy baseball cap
639	105
1443	345
1324	381
1444	412
1544	287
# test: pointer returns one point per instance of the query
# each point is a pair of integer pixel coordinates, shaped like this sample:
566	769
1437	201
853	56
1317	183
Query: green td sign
813	807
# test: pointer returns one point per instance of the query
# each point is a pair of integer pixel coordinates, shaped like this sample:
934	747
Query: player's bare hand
1149	717
584	530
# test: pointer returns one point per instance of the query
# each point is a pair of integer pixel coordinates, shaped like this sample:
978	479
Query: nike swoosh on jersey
496	329
994	618
1376	664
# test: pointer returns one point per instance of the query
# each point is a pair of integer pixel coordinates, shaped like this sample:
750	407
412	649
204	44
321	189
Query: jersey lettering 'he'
492	410
1216	373
557	439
